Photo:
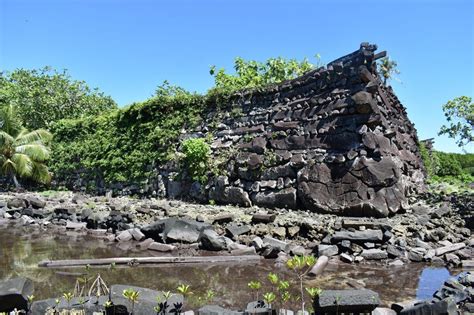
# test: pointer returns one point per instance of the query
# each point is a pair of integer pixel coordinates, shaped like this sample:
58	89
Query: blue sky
127	48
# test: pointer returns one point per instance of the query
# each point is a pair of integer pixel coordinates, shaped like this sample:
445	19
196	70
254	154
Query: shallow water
22	248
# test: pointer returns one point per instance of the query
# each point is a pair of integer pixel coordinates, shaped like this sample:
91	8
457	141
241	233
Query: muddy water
21	249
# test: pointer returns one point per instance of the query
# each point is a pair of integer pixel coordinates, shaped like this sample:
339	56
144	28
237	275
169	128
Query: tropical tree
388	68
23	153
459	113
44	96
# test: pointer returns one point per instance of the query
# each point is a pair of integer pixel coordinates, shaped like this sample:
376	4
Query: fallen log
145	261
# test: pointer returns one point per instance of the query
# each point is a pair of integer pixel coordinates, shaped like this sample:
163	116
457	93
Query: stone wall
334	140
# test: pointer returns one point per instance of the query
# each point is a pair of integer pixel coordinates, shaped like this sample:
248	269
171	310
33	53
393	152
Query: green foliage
132	296
23	153
430	160
255	74
387	68
269	297
459	113
196	158
45	96
124	144
448	166
301	265
68	297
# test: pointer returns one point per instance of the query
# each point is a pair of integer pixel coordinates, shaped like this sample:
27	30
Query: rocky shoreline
434	229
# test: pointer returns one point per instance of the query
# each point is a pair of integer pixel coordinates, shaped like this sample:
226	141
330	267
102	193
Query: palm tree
23	153
388	68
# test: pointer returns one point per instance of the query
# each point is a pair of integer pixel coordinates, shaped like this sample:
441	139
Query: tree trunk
15	181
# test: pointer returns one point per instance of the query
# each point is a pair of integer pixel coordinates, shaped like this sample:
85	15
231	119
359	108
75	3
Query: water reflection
22	248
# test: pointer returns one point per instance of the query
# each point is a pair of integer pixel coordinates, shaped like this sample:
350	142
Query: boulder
263	218
217	310
328	250
280	245
395	251
353	301
160	247
223	218
234	231
319	267
177	230
374	254
91	305
210	240
14	294
76	225
446	306
147	299
137	234
15	203
35	202
124	236
285	198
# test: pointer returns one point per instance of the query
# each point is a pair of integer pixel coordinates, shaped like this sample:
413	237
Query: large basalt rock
363	187
175	230
14	294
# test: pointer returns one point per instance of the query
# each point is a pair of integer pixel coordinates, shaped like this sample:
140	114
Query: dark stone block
14	294
353	301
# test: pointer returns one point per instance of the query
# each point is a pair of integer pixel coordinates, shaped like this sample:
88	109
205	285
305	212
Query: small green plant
313	292
236	112
269	158
269	298
212	202
197	154
30	299
255	286
301	265
132	297
185	290
273	278
68	297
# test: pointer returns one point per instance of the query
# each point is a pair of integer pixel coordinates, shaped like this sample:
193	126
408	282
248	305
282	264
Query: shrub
196	158
448	165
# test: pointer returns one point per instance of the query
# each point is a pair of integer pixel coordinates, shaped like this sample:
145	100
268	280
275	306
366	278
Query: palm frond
23	164
9	120
6	138
36	151
8	167
41	173
25	137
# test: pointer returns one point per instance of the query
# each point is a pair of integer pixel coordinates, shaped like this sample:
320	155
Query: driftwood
131	261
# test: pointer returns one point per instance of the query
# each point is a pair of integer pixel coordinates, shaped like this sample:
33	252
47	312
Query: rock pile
433	233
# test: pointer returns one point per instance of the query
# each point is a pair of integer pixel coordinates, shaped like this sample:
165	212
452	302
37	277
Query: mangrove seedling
68	297
269	298
256	286
301	265
313	292
30	299
273	278
185	290
162	303
132	296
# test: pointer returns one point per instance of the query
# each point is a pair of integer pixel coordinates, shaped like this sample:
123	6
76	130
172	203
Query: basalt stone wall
334	140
